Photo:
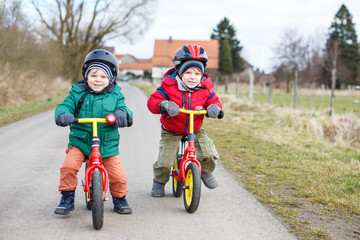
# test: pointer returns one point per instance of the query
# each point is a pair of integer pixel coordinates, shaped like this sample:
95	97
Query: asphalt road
31	154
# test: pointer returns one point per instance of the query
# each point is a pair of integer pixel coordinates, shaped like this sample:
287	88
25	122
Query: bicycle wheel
88	204
98	200
192	191
177	185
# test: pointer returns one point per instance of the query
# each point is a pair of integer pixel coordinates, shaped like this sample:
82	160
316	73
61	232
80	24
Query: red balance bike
96	179
186	172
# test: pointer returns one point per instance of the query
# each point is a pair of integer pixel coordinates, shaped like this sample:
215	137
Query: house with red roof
129	64
164	51
162	60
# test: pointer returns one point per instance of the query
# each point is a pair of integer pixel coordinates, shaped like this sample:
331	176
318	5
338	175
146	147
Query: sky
259	24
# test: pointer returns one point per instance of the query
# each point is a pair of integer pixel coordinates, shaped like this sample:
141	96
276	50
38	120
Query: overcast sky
259	23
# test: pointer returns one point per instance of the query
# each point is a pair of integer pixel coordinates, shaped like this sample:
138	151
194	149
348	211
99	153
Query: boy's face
192	77
97	80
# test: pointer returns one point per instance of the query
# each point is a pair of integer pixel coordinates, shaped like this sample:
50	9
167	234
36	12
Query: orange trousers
72	163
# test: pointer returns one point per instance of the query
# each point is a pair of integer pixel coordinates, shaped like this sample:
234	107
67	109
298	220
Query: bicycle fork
188	156
95	162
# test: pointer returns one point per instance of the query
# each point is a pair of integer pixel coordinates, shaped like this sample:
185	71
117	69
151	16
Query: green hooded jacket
94	106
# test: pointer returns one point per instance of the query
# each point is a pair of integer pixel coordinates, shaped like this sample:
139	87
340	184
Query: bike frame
189	153
95	160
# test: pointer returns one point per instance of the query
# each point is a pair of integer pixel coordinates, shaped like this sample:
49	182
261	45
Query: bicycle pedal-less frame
95	183
186	173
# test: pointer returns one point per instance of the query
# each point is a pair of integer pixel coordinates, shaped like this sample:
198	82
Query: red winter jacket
168	90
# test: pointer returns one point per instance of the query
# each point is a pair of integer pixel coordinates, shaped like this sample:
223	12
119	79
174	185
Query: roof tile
164	51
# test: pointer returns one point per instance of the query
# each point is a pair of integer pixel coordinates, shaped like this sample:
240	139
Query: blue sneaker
121	206
66	203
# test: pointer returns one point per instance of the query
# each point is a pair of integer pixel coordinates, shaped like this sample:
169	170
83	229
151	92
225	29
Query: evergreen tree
342	31
225	60
226	34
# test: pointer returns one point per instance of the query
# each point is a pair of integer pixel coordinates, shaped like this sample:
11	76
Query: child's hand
213	111
121	119
169	107
64	119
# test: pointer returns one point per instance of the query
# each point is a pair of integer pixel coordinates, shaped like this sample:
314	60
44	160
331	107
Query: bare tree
79	26
314	59
290	53
26	62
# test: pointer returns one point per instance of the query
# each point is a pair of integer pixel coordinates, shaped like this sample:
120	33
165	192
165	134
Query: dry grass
23	94
29	86
338	129
303	165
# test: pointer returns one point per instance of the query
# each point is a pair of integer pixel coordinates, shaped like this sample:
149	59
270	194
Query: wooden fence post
226	84
270	88
332	98
251	85
237	86
295	88
333	78
313	95
216	82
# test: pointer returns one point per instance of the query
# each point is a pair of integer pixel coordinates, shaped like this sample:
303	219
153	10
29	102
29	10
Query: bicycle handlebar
201	111
197	111
110	119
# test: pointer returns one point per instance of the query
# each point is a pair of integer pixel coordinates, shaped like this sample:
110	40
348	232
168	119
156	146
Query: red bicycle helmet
190	52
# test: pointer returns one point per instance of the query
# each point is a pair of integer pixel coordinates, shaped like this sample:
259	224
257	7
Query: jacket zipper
187	116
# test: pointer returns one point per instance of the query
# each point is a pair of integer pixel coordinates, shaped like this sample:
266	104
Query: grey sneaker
158	189
209	180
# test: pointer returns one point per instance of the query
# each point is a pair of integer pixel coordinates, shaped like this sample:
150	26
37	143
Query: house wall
127	59
158	72
134	71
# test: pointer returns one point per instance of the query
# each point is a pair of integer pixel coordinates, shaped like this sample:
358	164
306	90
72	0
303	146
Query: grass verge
313	186
16	112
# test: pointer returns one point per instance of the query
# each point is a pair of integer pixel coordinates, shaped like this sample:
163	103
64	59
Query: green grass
12	113
317	172
288	170
343	104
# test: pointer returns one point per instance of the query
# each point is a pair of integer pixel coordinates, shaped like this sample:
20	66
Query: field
346	101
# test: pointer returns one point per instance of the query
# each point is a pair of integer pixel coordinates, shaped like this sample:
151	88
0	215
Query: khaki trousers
206	153
72	163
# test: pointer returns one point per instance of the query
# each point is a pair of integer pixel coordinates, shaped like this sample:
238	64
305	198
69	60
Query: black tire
88	204
192	192
177	186
98	200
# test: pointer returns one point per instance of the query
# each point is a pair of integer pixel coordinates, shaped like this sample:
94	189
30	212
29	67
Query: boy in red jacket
186	86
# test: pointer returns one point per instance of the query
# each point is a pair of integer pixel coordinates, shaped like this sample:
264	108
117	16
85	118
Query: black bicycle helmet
104	56
190	52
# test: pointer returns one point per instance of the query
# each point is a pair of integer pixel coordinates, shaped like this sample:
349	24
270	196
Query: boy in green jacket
94	97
